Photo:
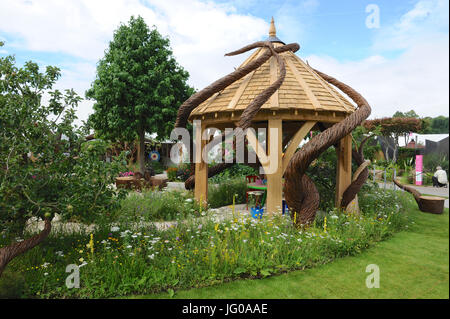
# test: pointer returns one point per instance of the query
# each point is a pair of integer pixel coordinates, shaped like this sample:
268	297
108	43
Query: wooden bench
431	204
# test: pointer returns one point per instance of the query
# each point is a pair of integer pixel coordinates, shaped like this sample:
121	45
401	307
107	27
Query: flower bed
117	261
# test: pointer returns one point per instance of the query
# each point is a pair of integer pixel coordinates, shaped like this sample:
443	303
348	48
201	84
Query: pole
395	175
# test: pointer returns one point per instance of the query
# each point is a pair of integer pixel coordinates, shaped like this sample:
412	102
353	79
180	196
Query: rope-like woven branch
8	253
300	193
252	109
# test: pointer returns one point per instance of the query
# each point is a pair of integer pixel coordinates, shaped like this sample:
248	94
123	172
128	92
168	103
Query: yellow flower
81	259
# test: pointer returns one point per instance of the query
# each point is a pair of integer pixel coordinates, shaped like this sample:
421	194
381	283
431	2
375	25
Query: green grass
413	264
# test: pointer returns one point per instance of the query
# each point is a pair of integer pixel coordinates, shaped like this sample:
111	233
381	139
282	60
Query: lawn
413	264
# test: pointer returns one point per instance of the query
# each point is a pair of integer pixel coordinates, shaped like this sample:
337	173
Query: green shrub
12	285
172	174
183	172
222	194
205	251
237	170
156	206
431	161
156	166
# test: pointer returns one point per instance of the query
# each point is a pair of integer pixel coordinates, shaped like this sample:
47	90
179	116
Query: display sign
419	168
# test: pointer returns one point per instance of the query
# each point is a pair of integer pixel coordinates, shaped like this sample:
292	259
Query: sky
395	53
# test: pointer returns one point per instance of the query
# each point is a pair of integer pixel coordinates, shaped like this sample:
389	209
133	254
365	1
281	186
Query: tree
45	168
436	125
393	127
139	86
410	113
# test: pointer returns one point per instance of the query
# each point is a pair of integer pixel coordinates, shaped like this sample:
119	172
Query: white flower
45	265
151	256
244	240
189	200
114	228
45	274
129	246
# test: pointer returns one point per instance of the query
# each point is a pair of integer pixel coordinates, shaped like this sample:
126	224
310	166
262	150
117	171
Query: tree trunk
141	153
8	253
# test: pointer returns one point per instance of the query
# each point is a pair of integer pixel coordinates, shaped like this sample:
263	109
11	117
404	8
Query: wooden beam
201	167
298	137
344	167
275	179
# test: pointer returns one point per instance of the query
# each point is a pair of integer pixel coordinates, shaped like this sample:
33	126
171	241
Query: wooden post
344	167
274	181
201	167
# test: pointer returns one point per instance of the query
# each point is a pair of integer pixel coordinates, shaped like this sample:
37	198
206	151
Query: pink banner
419	167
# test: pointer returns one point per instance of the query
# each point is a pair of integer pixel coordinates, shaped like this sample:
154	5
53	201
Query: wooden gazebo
304	102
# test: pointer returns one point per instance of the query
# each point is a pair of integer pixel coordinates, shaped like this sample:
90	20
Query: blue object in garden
154	156
257	212
285	207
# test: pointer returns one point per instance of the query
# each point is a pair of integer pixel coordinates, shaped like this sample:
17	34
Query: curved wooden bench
431	204
427	204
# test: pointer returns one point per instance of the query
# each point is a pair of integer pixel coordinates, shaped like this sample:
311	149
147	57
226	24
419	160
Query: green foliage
45	168
156	206
410	113
139	85
237	170
323	172
435	125
204	251
369	149
183	171
432	160
172	174
12	285
222	194
156	166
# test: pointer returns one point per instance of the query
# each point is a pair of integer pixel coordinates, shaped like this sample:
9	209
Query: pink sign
419	167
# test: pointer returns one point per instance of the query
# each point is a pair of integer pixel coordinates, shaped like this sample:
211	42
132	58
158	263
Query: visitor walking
439	178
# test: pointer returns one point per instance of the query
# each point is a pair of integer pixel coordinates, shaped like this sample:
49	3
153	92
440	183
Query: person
439	178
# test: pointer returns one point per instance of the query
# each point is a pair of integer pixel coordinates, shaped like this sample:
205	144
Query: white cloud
200	34
417	79
427	20
202	31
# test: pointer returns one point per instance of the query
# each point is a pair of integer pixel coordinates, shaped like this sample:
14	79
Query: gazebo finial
272	30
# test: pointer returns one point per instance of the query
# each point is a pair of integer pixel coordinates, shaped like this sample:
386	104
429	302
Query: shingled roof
302	88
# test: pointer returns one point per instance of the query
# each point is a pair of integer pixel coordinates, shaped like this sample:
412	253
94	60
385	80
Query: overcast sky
400	63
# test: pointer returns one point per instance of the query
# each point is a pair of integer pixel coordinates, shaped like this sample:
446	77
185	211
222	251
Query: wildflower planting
118	260
152	205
